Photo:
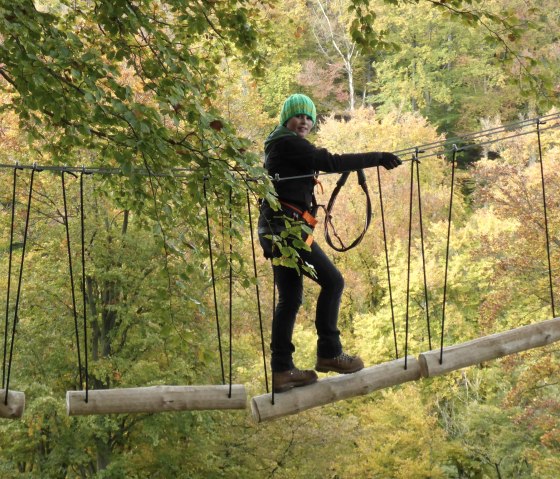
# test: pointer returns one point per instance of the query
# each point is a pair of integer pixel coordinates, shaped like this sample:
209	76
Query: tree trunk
103	453
102	296
350	75
369	77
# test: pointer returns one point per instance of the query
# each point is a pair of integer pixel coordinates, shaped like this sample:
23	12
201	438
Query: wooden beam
16	404
489	347
155	399
334	388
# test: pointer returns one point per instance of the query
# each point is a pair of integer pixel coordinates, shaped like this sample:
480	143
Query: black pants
290	294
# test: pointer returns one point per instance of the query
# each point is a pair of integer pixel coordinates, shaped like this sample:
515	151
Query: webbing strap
329	227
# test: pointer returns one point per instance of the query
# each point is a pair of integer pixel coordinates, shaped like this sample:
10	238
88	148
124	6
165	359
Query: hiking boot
293	378
343	363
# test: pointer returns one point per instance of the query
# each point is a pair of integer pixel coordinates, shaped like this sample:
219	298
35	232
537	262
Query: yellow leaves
12	138
366	131
400	438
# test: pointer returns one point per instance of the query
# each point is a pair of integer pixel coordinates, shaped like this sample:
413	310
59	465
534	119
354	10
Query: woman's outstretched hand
389	161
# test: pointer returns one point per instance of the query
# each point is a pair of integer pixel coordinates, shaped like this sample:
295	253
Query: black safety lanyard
329	227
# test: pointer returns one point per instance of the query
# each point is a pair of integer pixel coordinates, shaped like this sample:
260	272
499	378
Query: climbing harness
305	216
309	218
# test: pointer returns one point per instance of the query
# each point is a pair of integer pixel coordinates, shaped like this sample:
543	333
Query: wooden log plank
155	399
334	388
16	404
489	347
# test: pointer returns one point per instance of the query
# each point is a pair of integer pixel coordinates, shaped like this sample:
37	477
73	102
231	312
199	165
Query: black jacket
288	155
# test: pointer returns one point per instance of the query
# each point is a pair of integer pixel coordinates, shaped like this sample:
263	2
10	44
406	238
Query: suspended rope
84	294
7	322
438	147
255	274
211	258
408	261
273	310
382	210
72	288
328	224
453	163
423	253
19	284
539	123
230	288
171	398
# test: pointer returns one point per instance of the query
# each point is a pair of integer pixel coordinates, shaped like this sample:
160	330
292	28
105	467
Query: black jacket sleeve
300	152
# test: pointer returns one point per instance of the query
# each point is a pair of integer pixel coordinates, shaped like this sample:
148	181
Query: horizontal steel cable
425	151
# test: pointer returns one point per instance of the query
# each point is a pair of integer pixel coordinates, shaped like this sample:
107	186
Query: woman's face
300	124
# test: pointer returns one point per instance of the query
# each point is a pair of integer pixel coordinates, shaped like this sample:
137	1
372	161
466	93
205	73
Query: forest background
198	85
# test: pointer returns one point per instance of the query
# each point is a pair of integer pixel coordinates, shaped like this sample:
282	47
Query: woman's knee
339	281
290	302
334	282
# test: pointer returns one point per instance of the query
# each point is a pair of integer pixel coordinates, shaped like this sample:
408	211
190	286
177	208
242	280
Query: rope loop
328	224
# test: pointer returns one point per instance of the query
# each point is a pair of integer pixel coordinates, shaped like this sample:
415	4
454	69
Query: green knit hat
298	104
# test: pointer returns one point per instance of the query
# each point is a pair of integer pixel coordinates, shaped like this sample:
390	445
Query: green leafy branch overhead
506	30
130	84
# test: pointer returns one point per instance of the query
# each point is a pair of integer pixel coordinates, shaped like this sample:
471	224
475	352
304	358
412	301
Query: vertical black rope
539	123
74	308
6	326
213	281
447	252
423	254
20	281
415	158
84	296
273	311
382	209
257	291
230	287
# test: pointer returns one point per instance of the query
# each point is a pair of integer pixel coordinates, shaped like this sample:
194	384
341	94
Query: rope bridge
268	406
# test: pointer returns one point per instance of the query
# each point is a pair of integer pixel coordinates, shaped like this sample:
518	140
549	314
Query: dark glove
389	161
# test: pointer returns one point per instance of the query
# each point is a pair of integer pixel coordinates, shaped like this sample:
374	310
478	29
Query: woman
289	155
